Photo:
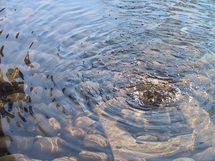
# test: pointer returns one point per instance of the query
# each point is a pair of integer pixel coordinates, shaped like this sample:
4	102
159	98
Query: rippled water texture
107	80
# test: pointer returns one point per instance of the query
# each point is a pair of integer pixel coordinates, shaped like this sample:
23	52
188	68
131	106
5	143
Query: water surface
72	73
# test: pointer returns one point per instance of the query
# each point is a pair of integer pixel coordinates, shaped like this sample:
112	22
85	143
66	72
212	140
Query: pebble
139	113
40	108
141	120
15	157
95	141
147	138
57	93
5	142
92	156
42	125
65	159
137	159
54	110
21	143
48	127
54	124
184	159
50	145
37	118
66	121
84	122
71	133
31	128
207	155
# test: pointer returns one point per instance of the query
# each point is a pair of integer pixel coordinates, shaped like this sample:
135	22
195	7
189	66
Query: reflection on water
107	80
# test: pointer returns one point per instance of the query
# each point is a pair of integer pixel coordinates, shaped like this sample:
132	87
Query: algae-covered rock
156	92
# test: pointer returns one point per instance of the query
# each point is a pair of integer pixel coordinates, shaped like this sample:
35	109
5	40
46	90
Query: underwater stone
15	157
54	124
57	93
92	156
147	138
71	133
95	141
207	155
5	142
137	159
21	143
48	127
184	159
65	159
50	145
155	92
141	120
84	122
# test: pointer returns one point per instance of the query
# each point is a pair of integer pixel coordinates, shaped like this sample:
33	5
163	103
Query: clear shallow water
67	68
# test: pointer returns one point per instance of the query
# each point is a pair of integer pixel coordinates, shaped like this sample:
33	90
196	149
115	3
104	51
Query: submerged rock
72	133
184	159
5	142
50	145
154	91
84	122
16	157
21	144
207	155
93	156
95	141
65	159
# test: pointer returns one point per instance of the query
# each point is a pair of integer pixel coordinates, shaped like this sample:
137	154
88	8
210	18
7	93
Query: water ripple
81	76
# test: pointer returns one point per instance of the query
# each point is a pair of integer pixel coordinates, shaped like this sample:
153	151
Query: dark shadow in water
11	91
27	61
